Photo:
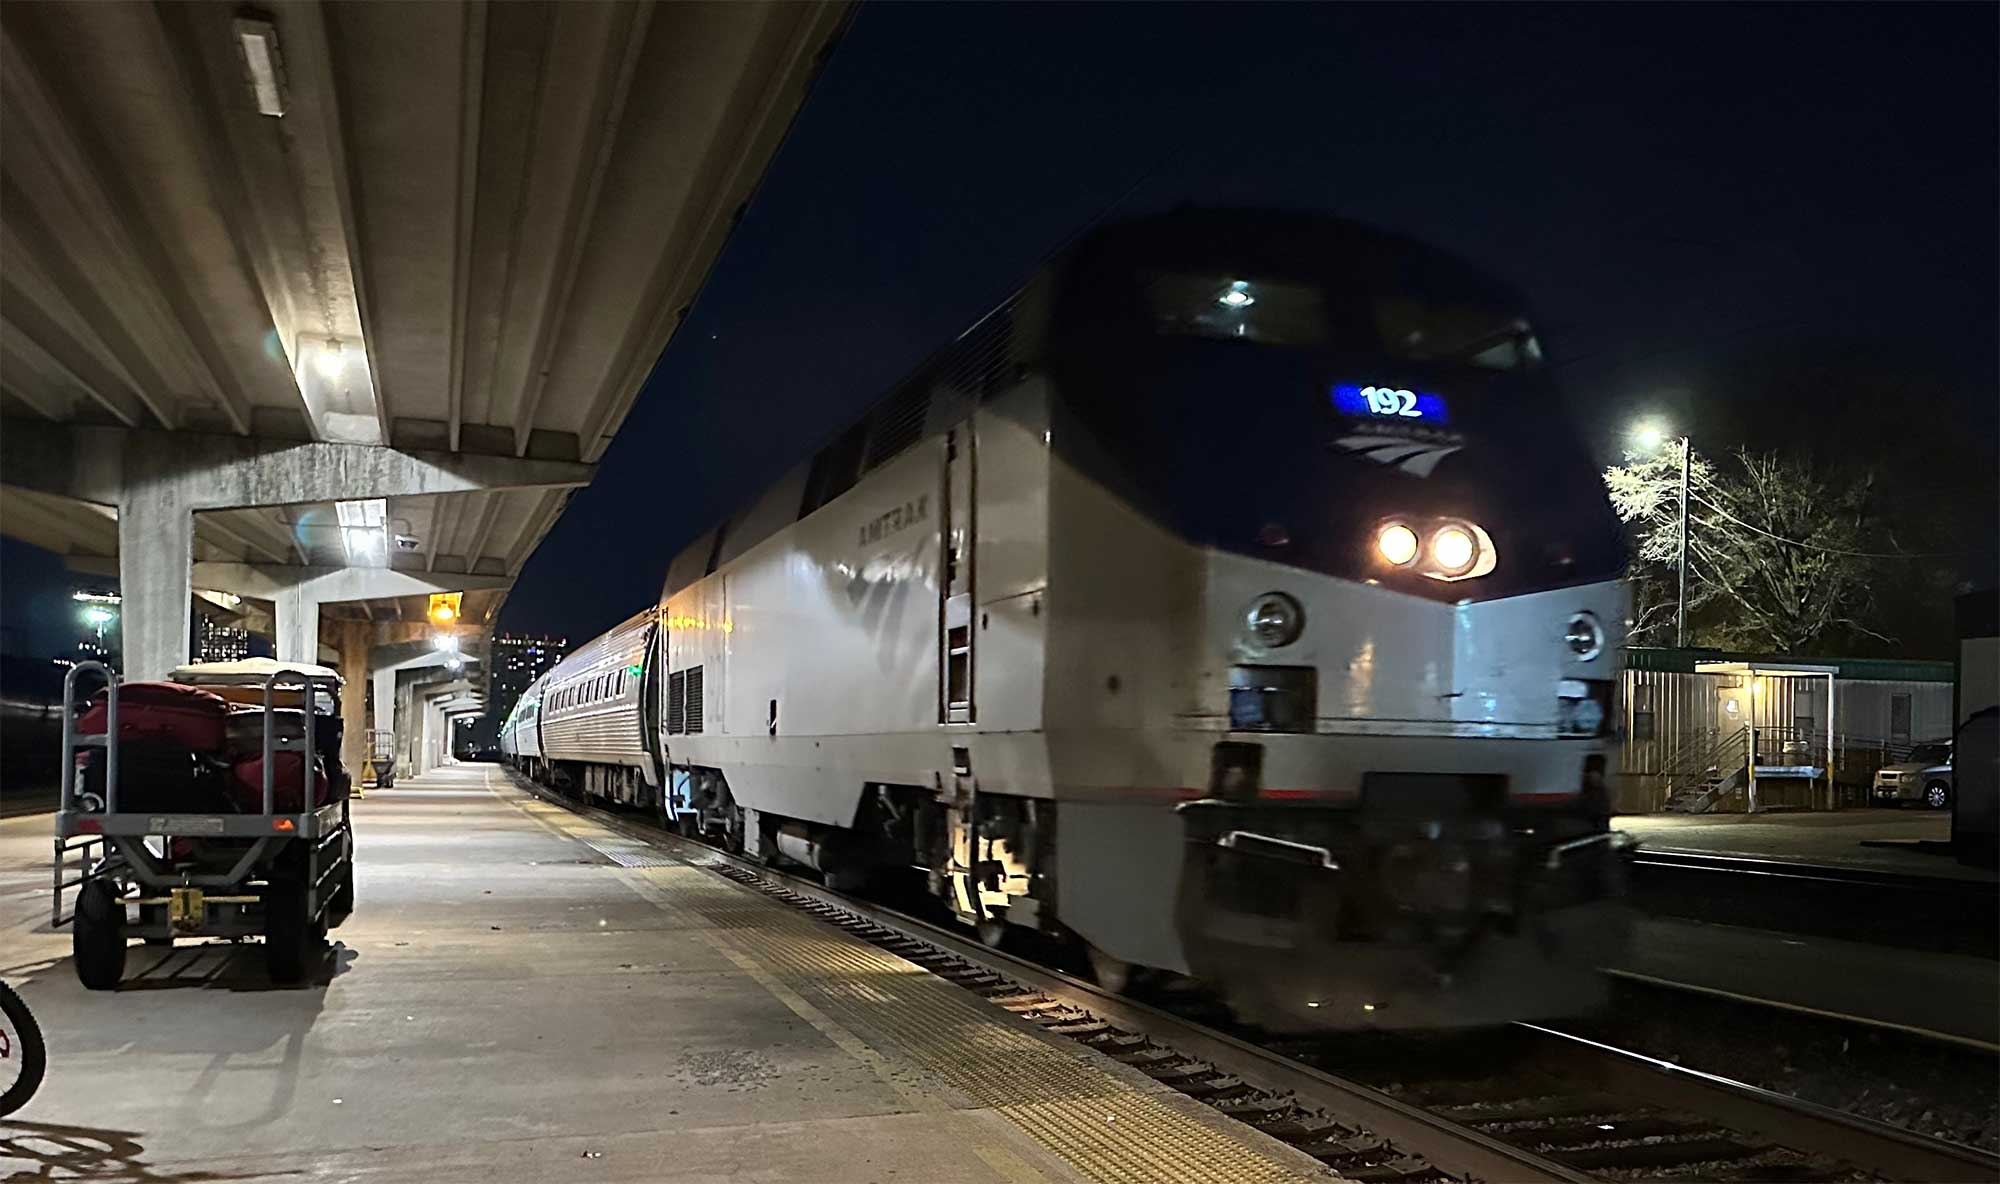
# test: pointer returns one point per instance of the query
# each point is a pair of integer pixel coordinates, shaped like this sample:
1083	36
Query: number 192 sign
1388	402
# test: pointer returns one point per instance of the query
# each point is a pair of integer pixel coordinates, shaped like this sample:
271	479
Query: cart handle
291	678
68	771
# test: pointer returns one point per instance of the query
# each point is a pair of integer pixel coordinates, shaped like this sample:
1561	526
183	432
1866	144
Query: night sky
1771	226
1765	224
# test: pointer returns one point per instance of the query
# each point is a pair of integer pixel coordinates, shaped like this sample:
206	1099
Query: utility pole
1681	602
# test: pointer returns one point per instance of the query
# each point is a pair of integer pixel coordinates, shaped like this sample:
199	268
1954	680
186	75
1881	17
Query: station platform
523	995
1913	842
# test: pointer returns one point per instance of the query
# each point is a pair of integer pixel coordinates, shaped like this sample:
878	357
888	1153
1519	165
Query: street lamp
1647	437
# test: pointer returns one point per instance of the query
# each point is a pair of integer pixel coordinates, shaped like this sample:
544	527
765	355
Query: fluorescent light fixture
362	531
372	512
263	67
330	361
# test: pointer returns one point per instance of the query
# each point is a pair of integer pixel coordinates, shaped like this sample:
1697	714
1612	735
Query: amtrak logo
900	518
1415	457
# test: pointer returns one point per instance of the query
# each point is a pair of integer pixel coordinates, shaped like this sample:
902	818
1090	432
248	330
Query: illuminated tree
1780	553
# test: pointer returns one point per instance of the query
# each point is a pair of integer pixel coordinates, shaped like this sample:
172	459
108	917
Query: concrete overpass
334	305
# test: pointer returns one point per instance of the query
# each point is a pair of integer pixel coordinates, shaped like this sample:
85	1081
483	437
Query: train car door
957	523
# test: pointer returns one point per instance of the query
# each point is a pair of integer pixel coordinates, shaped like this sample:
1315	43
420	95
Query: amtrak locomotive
1236	599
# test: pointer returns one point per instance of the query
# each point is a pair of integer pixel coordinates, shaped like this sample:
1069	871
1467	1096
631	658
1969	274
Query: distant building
219	641
515	662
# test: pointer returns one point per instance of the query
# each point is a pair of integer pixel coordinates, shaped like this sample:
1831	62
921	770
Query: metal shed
1675	718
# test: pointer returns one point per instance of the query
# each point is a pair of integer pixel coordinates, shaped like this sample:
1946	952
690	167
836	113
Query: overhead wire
1819	547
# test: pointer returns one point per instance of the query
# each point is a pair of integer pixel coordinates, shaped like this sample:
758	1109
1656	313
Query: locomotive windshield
1243	376
1285	312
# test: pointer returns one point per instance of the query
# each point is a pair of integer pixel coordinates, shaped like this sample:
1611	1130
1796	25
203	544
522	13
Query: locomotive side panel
816	653
1126	606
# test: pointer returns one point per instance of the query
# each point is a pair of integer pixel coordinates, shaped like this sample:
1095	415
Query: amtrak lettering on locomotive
1236	599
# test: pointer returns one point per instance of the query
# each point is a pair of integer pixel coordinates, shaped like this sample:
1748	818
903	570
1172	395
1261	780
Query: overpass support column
354	642
155	558
383	717
298	623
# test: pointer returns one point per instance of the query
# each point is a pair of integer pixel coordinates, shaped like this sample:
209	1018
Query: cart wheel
97	937
340	905
291	943
22	1052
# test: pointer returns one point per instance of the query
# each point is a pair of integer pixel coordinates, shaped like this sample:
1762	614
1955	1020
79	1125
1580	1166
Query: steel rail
1452	1147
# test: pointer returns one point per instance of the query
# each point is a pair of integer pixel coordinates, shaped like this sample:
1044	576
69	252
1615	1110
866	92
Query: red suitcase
162	711
246	783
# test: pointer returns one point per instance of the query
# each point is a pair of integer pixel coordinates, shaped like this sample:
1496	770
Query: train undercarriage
1444	905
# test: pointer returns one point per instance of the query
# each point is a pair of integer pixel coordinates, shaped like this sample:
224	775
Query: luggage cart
288	876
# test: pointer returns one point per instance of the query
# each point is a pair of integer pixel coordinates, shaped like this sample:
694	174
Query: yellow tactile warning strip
941	1045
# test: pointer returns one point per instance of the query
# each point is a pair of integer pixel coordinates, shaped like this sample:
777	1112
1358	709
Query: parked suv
1925	777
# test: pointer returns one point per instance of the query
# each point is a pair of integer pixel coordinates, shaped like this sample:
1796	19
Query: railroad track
1941	913
1560	1108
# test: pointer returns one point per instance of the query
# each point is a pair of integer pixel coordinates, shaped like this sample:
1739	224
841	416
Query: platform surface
1904	841
512	1001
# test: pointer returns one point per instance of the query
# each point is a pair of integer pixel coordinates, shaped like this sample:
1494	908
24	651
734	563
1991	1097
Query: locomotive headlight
1584	636
1275	619
1396	543
1453	549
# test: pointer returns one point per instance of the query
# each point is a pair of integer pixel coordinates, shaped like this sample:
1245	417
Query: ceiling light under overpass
263	66
331	361
363	529
373	511
444	607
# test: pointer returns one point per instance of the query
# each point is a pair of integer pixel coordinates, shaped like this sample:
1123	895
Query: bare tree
1777	550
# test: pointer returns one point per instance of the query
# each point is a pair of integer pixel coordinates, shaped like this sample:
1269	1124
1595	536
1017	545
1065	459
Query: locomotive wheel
992	933
97	937
1113	974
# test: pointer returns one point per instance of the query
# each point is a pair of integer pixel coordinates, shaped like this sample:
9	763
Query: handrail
1723	751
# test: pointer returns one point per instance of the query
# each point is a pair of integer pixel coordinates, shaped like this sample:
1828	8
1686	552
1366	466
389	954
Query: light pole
1681	600
1649	436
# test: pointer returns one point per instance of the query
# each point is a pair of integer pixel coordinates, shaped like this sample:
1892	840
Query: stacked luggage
186	750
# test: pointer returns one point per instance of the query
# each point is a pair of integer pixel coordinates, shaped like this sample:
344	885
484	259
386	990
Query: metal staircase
1702	774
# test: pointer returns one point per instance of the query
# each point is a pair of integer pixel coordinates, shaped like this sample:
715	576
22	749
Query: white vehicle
1925	777
1236	599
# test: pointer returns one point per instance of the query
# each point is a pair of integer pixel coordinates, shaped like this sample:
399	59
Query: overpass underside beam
158	481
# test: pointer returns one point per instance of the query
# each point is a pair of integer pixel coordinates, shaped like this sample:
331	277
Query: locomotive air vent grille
694	708
896	424
677	702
